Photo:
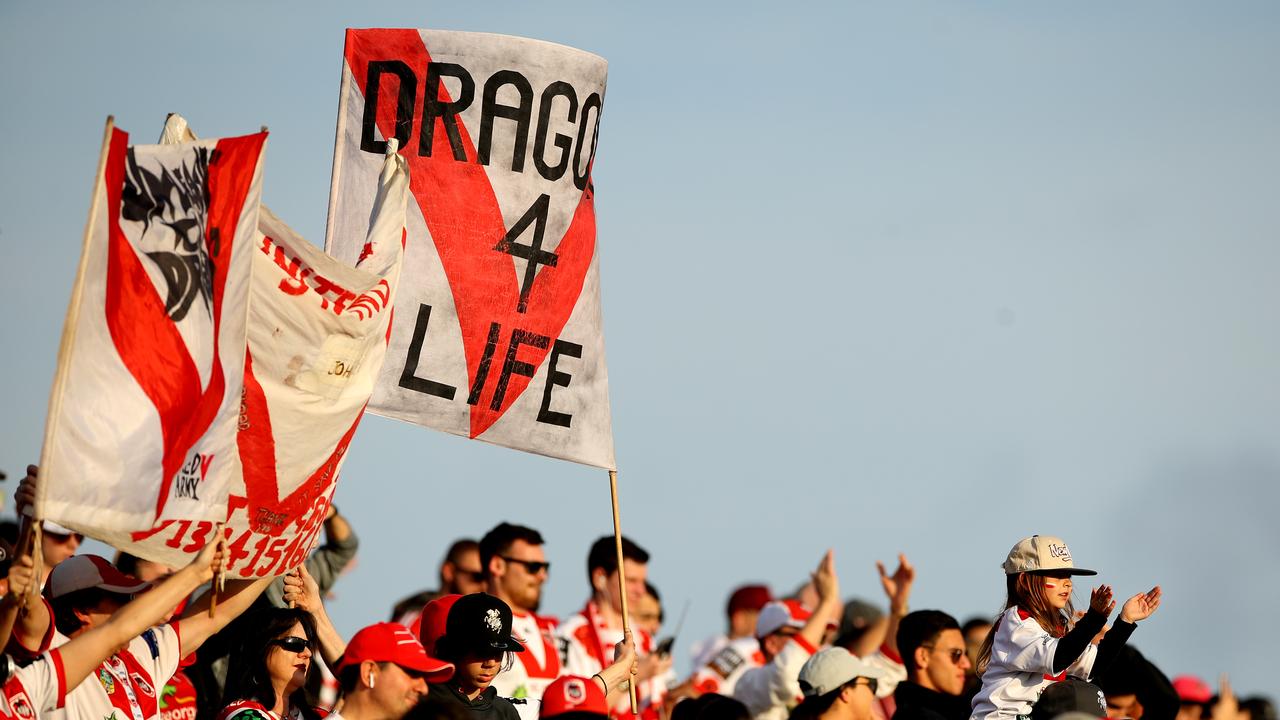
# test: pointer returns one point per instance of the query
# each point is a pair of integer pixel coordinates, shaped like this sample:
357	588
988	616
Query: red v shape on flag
148	341
465	220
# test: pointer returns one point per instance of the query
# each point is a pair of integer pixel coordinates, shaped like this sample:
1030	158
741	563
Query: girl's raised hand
1140	606
1100	600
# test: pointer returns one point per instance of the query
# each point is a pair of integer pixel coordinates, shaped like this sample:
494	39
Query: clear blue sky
892	276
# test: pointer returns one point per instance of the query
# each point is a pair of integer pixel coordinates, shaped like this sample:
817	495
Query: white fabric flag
146	397
317	334
499	337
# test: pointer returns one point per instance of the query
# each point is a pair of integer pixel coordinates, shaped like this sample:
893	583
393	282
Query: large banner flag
499	334
146	397
317	334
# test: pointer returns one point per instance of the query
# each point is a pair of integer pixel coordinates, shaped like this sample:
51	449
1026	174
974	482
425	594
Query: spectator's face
1190	711
1124	706
57	547
859	696
647	613
973	643
1057	590
397	690
515	582
743	623
477	670
637	574
944	664
148	571
464	577
289	659
95	616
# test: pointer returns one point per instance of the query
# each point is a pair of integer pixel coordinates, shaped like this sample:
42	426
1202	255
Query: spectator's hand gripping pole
622	580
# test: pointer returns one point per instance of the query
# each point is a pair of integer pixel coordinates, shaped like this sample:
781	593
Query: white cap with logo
1042	553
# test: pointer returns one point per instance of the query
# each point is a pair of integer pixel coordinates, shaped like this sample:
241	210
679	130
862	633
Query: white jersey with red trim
539	664
771	690
34	690
126	685
1021	667
588	648
722	670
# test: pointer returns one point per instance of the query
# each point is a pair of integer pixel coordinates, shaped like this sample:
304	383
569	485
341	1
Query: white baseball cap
779	614
833	667
80	572
1042	553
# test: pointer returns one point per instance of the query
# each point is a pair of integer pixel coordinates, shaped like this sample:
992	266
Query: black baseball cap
1069	696
481	621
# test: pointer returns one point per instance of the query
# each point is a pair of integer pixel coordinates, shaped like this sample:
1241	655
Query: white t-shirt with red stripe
588	644
1021	667
34	690
771	690
535	668
128	685
721	672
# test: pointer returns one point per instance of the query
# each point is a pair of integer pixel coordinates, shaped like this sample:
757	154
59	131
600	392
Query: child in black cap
477	639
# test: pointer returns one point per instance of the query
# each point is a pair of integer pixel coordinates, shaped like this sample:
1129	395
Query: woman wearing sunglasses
267	674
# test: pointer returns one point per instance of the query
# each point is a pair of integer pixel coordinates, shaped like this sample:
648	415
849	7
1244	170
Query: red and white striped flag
146	398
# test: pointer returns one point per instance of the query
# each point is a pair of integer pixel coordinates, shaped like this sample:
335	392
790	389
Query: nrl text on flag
500	334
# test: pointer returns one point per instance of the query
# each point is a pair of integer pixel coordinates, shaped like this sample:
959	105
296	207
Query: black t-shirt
919	703
486	706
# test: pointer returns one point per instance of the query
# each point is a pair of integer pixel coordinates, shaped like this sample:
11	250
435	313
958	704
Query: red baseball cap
432	621
1192	689
749	597
779	614
81	572
573	694
392	642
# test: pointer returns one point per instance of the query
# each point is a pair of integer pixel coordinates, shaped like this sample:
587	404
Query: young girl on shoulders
1037	641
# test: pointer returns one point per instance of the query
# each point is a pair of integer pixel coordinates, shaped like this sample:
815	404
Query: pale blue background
918	276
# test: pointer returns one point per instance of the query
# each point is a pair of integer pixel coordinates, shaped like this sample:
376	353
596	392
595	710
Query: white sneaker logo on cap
492	620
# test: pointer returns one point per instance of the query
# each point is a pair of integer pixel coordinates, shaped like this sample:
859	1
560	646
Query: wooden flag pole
622	580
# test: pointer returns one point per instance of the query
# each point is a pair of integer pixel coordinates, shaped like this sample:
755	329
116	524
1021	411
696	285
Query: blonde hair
1026	592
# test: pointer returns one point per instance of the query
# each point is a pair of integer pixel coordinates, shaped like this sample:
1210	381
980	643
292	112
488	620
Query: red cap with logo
573	694
392	642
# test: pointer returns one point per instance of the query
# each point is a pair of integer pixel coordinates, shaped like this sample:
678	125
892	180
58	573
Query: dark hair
414	602
921	628
460	547
814	706
972	624
604	557
64	607
454	651
247	677
127	564
710	706
653	592
1258	707
500	539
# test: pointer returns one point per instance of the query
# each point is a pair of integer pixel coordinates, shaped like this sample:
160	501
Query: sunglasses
533	566
954	653
871	683
293	643
58	538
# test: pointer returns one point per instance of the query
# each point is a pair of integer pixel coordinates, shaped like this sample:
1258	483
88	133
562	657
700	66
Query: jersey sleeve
41	686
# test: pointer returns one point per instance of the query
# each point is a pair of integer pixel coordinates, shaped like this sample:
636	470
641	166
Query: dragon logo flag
146	397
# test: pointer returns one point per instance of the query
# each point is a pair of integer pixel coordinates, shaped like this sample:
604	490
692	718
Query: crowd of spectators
90	638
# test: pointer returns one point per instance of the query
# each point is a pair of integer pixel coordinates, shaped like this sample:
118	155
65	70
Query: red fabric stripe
149	343
465	222
55	657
